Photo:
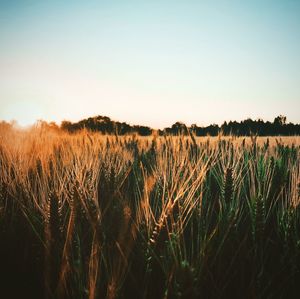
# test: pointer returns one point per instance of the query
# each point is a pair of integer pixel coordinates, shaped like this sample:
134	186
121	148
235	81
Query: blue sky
149	62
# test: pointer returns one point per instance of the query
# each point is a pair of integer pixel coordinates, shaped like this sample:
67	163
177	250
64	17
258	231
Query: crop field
86	215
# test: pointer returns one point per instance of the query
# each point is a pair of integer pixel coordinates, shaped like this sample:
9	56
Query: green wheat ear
228	185
259	218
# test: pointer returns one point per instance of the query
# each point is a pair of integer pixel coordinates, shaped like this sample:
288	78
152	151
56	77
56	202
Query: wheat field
92	216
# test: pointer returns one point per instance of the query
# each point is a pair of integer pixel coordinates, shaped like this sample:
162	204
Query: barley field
90	216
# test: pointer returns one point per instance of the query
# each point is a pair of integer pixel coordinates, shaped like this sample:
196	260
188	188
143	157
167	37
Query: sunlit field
86	215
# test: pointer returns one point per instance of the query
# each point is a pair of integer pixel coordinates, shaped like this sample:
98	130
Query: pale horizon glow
149	62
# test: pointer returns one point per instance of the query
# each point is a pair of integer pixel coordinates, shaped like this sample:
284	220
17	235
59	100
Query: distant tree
280	120
66	125
143	130
105	125
179	128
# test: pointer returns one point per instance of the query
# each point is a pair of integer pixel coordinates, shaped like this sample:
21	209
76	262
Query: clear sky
149	62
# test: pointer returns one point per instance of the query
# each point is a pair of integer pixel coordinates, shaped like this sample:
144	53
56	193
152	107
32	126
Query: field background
86	215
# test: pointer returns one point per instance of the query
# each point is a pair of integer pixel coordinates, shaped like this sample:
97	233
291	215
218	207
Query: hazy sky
150	62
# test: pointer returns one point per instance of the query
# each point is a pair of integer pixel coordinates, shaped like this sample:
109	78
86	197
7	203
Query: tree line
105	125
